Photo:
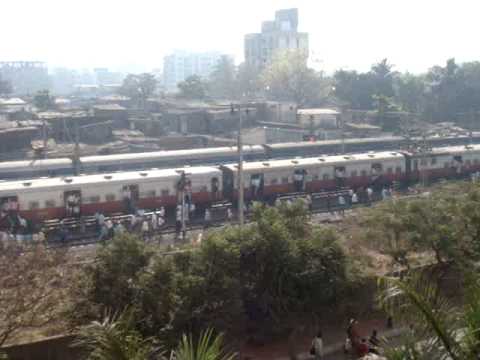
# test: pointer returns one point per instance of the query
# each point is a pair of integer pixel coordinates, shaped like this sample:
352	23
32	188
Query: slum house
220	120
14	109
16	136
276	112
115	113
322	124
151	125
64	127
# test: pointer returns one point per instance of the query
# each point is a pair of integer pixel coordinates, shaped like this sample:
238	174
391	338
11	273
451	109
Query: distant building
180	65
26	77
280	34
106	77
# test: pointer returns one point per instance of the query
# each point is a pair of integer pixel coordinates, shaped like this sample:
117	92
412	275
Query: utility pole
45	139
76	150
342	122
240	170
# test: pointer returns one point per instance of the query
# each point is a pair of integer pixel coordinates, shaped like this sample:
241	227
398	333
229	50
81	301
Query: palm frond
417	301
208	347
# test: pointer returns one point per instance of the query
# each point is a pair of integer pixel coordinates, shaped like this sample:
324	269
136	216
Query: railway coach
265	180
57	198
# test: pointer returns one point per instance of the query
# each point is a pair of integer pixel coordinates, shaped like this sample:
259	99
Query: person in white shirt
208	218
341	204
317	346
354	199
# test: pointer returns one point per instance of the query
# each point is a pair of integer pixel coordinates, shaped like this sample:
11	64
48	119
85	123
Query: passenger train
71	196
209	156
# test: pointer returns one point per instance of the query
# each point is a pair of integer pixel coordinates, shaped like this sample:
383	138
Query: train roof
38	164
461	149
102	179
310	144
169	155
313	161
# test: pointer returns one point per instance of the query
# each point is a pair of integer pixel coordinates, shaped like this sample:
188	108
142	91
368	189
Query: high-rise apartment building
181	64
279	34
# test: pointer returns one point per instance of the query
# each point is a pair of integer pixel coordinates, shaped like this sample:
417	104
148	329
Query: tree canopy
194	87
139	87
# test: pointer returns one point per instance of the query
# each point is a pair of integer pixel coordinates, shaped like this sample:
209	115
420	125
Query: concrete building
279	34
181	64
26	77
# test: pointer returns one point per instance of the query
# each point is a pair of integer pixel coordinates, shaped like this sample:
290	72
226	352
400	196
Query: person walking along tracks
317	347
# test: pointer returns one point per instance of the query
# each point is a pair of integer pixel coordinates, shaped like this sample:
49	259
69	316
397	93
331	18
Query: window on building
50	204
33	205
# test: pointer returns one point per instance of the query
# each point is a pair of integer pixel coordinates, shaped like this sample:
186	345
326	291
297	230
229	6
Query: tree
43	100
288	78
116	338
248	82
410	92
438	330
139	87
5	87
193	88
111	283
223	79
31	282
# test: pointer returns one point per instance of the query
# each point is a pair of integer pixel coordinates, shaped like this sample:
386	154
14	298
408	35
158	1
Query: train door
376	173
228	183
256	185
340	176
215	188
73	202
131	195
8	204
299	176
457	164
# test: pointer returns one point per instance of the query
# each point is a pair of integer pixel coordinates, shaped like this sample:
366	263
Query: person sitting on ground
317	346
362	348
374	342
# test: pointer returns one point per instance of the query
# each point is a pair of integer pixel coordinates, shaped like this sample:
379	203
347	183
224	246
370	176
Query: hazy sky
412	34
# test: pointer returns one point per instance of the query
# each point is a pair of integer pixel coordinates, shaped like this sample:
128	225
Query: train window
423	162
433	161
389	170
468	162
50	203
398	170
415	164
151	193
446	165
33	205
475	161
203	188
354	173
315	177
110	197
165	192
94	199
274	182
285	180
363	173
326	177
